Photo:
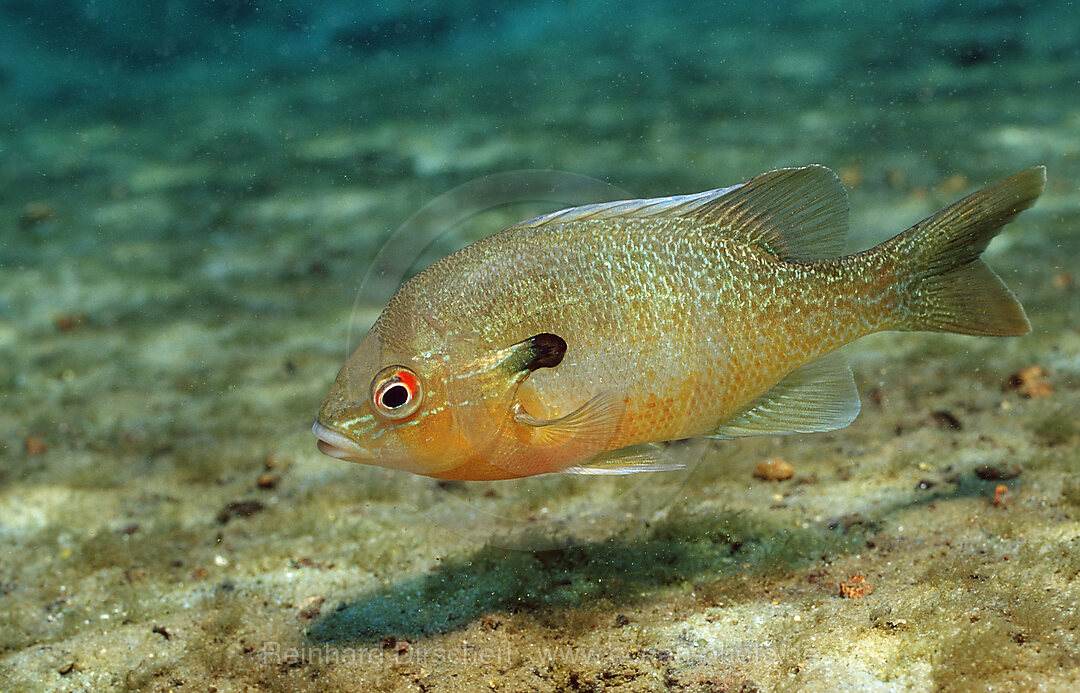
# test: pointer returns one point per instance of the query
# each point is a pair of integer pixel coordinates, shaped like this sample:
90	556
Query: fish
583	340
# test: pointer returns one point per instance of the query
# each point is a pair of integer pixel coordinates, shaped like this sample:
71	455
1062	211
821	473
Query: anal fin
819	396
650	457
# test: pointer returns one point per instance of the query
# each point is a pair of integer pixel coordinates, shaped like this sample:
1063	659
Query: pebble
774	469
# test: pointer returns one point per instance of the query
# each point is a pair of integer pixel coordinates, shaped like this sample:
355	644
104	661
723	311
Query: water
191	195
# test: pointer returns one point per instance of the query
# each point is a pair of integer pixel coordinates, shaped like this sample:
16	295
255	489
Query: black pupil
395	396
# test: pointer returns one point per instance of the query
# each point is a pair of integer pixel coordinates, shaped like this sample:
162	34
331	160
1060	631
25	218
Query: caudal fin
951	289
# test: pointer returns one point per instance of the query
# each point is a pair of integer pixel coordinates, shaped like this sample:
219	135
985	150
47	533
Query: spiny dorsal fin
796	213
674	206
819	396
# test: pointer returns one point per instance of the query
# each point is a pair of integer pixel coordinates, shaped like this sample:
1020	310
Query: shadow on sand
683	548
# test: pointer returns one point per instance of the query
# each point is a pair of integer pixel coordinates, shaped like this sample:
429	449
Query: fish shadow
682	549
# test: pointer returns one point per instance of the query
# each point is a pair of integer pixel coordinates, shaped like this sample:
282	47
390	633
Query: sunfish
580	340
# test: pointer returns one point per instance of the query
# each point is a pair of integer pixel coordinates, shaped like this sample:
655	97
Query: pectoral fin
591	426
820	396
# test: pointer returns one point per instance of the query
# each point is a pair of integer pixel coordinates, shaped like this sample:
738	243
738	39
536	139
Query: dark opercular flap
544	350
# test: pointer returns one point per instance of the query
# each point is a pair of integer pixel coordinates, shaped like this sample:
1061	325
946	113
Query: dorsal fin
795	213
674	206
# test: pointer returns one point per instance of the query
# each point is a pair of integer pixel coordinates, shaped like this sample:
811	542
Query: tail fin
952	289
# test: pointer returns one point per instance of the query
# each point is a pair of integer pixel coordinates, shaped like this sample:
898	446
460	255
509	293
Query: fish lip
338	445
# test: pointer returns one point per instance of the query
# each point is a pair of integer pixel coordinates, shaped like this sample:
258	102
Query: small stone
1029	381
988	472
310	607
1062	280
953	184
34	445
774	469
851	176
239	509
36	212
69	322
945	419
1001	496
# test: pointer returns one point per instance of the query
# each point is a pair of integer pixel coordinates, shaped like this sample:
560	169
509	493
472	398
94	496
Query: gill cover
504	434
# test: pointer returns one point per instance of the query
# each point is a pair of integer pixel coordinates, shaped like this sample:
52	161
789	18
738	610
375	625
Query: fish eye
396	392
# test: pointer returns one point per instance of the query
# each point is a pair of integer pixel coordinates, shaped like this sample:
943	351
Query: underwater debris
34	445
945	419
1001	496
1004	472
1029	381
274	469
239	509
851	176
34	213
953	184
391	642
855	587
309	608
1062	280
306	562
69	322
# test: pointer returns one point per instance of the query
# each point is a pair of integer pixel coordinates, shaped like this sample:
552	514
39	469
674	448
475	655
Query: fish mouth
338	445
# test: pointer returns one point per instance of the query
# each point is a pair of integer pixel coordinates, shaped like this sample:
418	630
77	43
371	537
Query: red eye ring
396	392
